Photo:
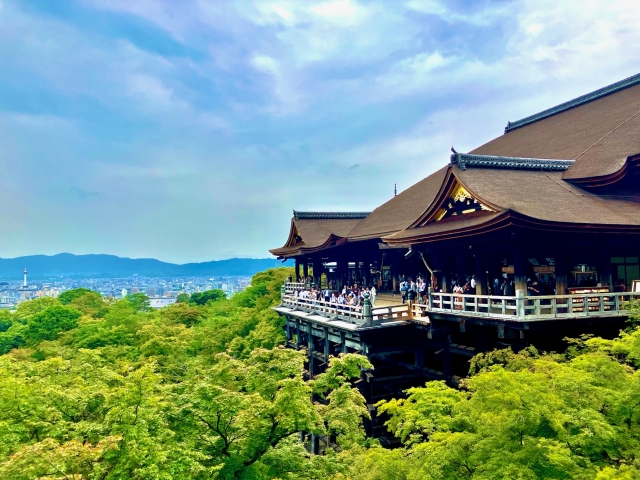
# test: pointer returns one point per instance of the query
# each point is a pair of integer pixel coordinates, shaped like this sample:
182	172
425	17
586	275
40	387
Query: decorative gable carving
460	202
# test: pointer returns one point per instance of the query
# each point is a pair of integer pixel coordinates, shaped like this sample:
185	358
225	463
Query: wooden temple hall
545	219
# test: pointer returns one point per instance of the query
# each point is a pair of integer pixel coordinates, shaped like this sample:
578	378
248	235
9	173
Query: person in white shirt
473	283
374	293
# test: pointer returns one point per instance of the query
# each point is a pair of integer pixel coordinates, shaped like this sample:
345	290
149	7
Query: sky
189	130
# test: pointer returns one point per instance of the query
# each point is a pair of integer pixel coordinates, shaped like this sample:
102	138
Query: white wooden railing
348	313
291	287
531	308
517	308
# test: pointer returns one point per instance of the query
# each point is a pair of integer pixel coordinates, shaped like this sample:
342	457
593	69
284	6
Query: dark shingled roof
599	135
401	211
329	215
464	160
523	176
576	102
316	233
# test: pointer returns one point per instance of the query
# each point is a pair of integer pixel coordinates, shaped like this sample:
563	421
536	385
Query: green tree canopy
139	301
47	324
67	297
201	298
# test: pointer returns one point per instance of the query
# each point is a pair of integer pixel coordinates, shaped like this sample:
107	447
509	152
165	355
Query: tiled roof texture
458	222
527	171
581	100
464	160
546	196
329	215
402	210
317	232
599	135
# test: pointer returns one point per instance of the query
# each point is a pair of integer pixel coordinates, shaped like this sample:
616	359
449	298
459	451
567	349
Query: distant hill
67	264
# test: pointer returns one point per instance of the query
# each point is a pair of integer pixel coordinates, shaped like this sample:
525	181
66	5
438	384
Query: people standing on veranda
457	296
404	288
327	294
374	294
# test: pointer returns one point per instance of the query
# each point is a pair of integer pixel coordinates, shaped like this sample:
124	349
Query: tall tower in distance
24	284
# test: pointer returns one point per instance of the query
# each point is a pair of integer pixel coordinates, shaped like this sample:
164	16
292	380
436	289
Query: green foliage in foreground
97	390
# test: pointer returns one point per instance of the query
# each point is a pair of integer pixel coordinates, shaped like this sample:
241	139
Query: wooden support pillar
480	267
604	268
343	343
460	273
366	272
298	334
440	264
447	360
297	269
520	269
310	348
342	270
315	444
394	275
327	345
560	260
305	269
288	329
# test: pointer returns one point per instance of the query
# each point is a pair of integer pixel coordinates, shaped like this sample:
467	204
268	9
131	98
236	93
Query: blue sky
189	130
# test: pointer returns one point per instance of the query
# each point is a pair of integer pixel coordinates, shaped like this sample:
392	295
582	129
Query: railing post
430	297
520	303
366	311
283	291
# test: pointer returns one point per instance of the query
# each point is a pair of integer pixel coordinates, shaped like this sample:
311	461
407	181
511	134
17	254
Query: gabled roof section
535	199
400	211
314	231
454	199
464	160
329	215
599	134
576	102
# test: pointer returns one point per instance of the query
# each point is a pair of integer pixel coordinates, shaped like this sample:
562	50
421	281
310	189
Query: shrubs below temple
98	390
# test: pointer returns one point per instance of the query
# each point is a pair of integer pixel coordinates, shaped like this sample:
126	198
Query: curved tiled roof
401	211
314	233
599	135
576	102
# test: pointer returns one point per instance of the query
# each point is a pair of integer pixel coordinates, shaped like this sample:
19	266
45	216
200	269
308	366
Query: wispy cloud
181	128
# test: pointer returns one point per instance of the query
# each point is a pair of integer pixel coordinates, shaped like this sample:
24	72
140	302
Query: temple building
551	208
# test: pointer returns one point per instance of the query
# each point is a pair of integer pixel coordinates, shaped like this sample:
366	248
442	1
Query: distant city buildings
162	291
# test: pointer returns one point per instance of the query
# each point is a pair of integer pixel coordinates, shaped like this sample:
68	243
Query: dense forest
98	389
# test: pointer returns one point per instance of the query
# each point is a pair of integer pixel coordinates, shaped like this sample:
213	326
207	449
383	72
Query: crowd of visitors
350	295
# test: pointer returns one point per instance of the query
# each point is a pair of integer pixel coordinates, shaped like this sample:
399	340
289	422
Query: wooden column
604	267
480	267
440	264
394	274
342	268
297	269
366	272
327	345
305	269
310	347
460	273
561	272
520	269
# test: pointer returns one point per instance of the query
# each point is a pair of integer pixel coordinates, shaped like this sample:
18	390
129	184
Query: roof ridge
329	215
464	160
576	102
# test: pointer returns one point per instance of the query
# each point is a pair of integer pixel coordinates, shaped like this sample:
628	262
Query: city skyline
185	131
